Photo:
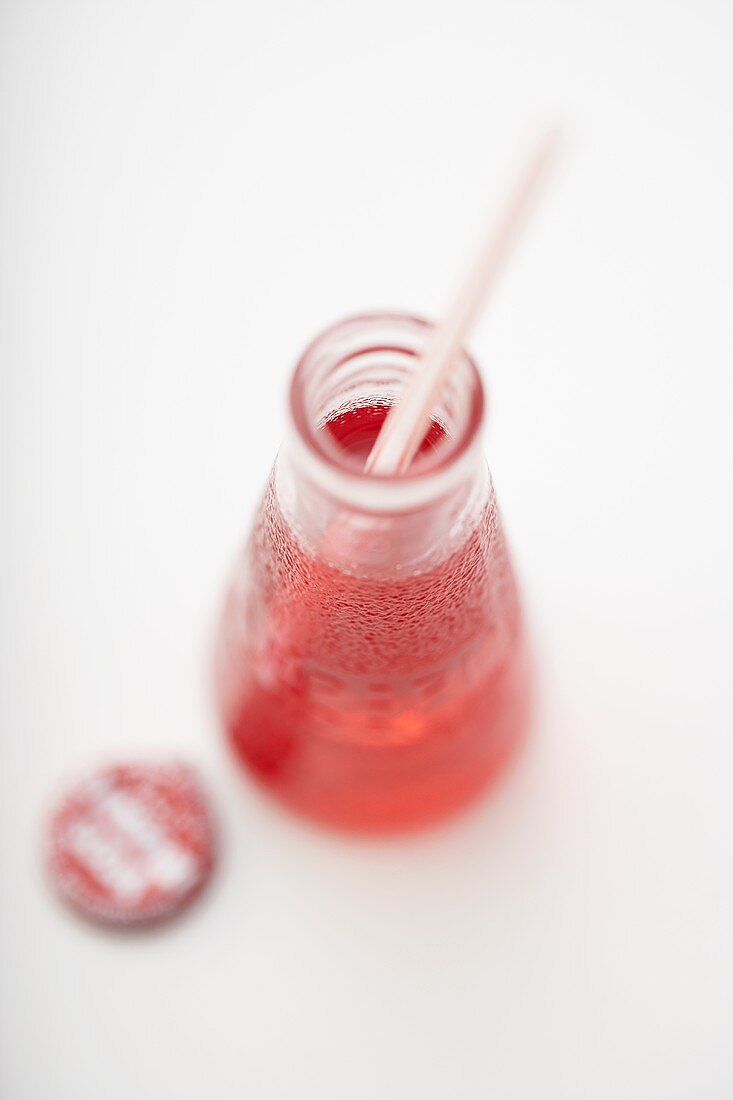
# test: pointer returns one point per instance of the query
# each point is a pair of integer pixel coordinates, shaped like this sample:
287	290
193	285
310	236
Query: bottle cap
131	844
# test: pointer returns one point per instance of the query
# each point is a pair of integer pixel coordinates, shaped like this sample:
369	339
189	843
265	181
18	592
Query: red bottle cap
131	844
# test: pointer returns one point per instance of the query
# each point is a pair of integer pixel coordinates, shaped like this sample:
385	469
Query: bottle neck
359	533
361	522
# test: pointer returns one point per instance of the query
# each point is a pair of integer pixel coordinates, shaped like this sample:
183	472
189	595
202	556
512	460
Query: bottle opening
355	431
353	373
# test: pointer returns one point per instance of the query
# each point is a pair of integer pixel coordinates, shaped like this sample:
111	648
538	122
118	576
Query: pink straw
407	422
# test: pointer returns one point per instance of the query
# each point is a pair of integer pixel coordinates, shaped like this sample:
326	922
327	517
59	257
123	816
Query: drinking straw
407	422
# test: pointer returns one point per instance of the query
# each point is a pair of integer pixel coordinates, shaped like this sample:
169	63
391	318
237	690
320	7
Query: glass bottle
372	671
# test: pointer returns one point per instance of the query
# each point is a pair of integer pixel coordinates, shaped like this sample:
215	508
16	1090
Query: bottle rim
427	478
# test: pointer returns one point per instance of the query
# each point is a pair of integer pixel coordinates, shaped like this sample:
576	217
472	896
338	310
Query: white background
188	192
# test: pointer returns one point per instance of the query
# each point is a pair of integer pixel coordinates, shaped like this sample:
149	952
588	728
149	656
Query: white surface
188	192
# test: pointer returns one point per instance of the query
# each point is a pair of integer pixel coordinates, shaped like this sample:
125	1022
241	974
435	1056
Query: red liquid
373	703
356	429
